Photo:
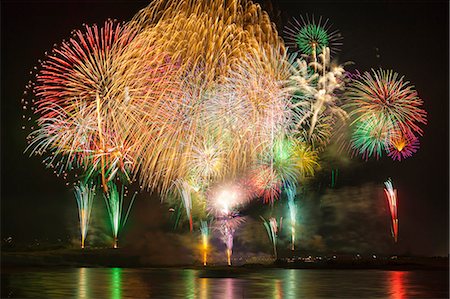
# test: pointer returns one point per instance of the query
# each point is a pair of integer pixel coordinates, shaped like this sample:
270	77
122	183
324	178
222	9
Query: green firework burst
309	36
312	38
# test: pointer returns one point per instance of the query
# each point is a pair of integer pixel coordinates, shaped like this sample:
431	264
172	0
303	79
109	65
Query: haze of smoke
349	219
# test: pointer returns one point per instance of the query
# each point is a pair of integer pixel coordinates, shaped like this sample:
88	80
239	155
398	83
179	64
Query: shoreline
100	258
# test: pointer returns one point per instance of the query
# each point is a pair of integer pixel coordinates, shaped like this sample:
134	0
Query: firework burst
266	183
316	103
184	189
207	162
402	145
225	199
310	36
190	95
369	138
221	52
77	90
381	104
307	159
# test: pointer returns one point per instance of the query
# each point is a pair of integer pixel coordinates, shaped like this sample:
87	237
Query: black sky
409	37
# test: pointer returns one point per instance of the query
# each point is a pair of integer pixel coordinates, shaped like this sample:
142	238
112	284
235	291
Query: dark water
186	283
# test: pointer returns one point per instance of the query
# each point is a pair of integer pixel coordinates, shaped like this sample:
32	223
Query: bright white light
227	199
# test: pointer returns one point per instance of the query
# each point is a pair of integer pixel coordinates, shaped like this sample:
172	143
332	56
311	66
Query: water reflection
204	288
189	283
397	288
277	291
219	288
229	287
118	283
83	291
291	283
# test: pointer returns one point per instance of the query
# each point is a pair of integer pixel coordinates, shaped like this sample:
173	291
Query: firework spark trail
81	68
84	195
204	229
147	116
369	138
184	190
292	160
114	204
227	238
86	114
292	206
334	177
79	98
391	195
223	203
272	228
385	112
248	111
188	195
227	229
328	84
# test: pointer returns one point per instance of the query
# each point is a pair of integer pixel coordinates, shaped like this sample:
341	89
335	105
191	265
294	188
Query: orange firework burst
402	145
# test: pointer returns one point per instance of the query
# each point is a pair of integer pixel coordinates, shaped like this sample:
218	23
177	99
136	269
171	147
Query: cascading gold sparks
229	65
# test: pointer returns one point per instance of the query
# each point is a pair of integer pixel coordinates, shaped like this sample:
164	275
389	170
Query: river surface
117	283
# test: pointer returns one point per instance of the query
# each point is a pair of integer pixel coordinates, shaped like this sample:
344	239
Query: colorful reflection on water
398	279
203	288
83	279
277	291
292	280
118	283
189	284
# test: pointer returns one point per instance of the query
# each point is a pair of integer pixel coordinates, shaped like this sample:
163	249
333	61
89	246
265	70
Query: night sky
411	38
